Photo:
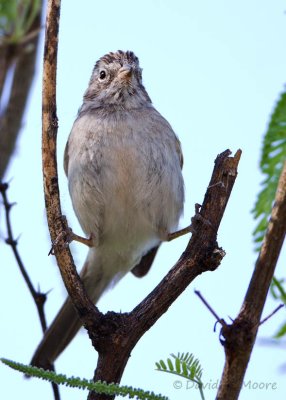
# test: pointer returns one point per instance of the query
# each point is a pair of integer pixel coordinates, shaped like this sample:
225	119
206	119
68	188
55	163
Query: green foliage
281	332
271	164
185	366
272	160
16	17
99	387
278	291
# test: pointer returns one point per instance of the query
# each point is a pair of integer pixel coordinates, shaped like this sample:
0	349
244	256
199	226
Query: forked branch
115	335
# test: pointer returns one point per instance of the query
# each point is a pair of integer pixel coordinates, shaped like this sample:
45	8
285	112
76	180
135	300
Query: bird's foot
66	236
191	228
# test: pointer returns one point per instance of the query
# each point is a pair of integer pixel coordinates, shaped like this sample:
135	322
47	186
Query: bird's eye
102	74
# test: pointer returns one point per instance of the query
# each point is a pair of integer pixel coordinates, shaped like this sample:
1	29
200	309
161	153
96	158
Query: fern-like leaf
191	368
186	366
271	163
99	387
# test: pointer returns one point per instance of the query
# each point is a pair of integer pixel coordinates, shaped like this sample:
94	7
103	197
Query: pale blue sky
214	69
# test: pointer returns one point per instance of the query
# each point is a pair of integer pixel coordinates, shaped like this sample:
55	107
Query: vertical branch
241	335
56	222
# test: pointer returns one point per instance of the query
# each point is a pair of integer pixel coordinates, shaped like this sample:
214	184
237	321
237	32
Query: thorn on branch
218	319
3	187
40	298
10	205
11	242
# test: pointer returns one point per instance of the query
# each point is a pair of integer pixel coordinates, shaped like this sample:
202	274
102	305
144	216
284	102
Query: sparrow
123	163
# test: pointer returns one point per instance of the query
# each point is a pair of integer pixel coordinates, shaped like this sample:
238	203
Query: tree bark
241	334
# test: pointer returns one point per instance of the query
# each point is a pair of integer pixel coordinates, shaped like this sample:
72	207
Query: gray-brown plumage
123	164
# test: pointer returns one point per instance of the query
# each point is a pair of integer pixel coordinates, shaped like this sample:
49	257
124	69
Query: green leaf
271	163
99	387
185	369
186	366
158	365
178	366
170	364
277	290
163	365
281	332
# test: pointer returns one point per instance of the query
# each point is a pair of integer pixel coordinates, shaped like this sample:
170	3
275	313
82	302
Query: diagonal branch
121	332
38	297
241	335
114	335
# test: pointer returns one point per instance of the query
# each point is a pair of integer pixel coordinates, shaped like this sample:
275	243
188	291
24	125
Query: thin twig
38	297
271	315
220	320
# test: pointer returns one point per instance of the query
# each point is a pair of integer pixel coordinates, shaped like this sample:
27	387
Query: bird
123	164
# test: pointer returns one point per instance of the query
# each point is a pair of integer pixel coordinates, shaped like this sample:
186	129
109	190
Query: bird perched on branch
123	163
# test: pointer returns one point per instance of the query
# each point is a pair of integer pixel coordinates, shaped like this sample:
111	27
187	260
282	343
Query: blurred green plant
272	160
16	18
271	164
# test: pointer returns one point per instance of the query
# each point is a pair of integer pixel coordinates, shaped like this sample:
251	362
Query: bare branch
240	336
123	331
23	56
38	297
57	223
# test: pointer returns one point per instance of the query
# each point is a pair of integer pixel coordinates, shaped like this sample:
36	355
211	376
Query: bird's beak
125	72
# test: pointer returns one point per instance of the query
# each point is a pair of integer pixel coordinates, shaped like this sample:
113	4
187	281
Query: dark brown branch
38	297
23	55
123	331
57	223
115	335
241	335
6	57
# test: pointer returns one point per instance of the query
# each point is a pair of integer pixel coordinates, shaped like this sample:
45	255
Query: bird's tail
67	323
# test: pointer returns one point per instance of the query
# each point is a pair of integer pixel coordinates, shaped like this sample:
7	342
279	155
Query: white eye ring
102	75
